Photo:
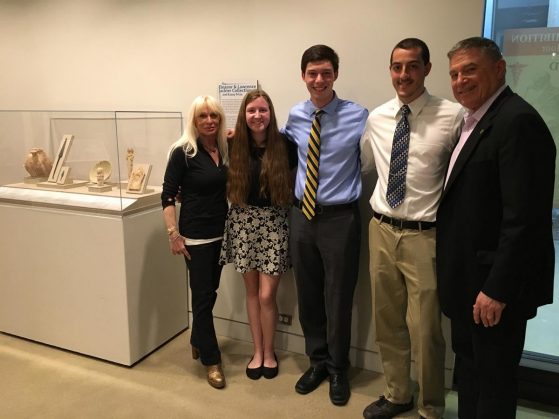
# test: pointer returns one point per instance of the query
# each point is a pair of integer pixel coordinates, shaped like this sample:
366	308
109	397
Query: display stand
98	281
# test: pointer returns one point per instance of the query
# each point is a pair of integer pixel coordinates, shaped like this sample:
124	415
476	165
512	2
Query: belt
324	209
403	224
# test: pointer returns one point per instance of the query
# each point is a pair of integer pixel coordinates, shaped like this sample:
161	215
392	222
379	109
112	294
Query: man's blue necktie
396	189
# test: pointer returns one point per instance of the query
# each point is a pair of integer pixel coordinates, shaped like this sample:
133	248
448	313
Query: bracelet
171	230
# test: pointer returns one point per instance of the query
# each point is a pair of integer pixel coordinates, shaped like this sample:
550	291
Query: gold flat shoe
215	376
195	352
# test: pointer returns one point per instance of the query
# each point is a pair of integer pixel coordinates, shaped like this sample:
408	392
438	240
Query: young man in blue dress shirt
325	248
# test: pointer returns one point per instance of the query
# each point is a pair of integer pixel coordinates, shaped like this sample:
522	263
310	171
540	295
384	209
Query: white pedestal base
101	285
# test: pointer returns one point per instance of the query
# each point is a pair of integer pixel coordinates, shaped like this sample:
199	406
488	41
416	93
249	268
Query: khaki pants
407	314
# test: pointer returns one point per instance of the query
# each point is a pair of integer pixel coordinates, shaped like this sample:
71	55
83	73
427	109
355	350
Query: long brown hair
275	180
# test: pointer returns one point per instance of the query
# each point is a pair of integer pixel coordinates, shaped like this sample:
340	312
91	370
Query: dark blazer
494	220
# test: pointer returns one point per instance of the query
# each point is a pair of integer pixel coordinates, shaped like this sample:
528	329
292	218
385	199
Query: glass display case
102	161
85	262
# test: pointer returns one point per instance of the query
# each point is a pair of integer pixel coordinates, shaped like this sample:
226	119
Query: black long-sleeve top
202	191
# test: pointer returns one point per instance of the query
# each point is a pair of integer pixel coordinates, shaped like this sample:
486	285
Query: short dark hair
320	53
485	45
411	43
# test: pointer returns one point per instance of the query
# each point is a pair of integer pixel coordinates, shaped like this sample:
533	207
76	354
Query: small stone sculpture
37	163
135	182
100	176
130	161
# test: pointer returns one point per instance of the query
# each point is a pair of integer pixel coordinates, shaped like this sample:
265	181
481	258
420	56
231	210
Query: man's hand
487	310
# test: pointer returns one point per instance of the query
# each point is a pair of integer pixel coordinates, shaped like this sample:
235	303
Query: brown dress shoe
215	376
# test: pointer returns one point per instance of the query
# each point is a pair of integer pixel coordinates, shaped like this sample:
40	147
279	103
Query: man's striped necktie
313	159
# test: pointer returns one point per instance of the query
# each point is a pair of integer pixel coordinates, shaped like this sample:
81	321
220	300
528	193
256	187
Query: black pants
325	256
204	273
486	366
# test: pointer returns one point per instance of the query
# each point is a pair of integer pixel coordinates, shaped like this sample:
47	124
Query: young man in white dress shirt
402	232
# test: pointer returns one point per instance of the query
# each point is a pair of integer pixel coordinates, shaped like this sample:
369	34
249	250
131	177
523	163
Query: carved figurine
37	163
100	176
136	179
130	161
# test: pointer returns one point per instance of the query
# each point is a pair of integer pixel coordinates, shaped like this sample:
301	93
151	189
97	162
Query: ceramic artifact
37	163
106	170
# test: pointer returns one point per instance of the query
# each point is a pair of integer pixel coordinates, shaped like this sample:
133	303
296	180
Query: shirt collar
329	109
483	108
415	106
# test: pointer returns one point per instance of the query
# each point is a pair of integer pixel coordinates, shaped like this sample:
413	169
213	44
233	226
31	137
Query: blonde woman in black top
197	172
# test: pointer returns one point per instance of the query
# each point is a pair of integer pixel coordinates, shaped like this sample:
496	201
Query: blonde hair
188	140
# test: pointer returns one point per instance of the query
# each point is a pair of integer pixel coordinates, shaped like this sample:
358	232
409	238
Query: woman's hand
176	243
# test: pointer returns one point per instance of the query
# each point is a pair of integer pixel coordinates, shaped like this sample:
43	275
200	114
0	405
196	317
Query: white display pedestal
102	284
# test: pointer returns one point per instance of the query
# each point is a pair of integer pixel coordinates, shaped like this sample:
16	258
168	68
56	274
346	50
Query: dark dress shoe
385	409
311	379
254	373
339	389
271	372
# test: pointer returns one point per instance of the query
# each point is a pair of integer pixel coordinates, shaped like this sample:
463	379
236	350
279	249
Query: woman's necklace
210	149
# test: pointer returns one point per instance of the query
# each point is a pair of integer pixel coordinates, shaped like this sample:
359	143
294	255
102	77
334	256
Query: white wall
160	54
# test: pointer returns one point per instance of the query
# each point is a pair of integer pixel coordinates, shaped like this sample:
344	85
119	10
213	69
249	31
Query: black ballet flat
268	372
254	373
